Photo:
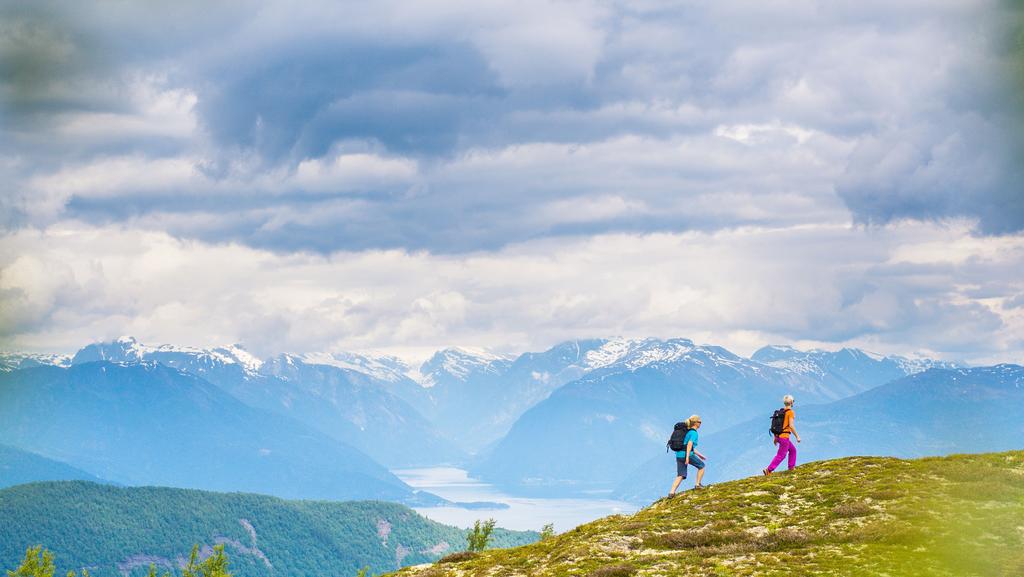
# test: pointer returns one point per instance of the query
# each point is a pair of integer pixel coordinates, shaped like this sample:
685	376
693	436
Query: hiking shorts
695	462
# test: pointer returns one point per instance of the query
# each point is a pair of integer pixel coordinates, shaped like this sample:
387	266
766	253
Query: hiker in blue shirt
689	456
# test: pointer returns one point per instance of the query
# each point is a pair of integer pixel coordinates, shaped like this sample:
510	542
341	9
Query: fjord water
523	513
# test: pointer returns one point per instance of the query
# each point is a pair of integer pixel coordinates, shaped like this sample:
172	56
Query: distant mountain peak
473	352
129	349
846	367
12	361
380	367
635	353
461	362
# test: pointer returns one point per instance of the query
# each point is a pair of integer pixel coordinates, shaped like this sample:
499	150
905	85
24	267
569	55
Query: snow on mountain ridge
802	366
129	349
383	368
812	361
459	362
633	354
919	365
10	361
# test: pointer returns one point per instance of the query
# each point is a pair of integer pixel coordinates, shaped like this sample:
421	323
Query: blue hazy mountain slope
475	397
146	423
354	405
461	386
591	432
119	531
18	466
937	412
349	406
846	371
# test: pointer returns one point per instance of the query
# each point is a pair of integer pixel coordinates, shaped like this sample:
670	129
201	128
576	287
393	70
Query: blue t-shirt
691	435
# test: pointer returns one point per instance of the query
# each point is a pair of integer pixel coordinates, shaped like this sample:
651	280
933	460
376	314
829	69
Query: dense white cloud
893	290
485	111
409	174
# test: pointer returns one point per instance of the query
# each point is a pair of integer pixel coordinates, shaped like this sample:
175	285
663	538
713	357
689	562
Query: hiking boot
766	471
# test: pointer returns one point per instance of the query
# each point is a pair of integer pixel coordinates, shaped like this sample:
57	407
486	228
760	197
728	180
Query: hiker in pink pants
786	447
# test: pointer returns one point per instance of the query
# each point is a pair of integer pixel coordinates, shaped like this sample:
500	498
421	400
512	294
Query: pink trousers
785	447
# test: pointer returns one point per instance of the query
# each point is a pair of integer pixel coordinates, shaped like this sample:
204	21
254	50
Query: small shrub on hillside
215	565
785	538
456	557
480	535
694	538
850	510
38	562
885	495
619	570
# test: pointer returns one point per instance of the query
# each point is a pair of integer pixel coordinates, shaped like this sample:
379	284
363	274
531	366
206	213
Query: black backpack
778	419
675	442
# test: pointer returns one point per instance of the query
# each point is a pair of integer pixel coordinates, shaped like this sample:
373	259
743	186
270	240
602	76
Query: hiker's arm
699	454
689	447
795	434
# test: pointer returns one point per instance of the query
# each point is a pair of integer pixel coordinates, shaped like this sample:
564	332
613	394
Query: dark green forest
112	531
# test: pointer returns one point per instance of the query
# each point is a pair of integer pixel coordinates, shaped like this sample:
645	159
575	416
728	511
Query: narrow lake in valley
523	513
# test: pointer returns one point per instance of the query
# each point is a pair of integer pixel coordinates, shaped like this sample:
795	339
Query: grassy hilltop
958	516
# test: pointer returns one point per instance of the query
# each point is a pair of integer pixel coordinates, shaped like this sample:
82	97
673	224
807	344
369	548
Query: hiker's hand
798	439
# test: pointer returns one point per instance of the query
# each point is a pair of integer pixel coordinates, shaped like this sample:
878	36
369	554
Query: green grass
954	516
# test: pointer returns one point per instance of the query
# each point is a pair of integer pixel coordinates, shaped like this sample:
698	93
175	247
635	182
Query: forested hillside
114	531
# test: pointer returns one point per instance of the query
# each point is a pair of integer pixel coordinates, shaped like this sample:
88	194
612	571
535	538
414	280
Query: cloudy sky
403	176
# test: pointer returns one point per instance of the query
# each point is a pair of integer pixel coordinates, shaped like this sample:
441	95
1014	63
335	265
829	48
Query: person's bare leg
700	476
675	485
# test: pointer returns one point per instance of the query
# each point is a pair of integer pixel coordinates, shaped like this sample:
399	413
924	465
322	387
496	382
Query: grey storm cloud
455	127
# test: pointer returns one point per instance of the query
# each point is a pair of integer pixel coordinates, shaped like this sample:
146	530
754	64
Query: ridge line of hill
955	516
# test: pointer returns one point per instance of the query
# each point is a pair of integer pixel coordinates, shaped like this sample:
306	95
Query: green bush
619	570
480	535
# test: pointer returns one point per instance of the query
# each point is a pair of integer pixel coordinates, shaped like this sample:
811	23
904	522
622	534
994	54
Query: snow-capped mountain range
576	416
15	361
811	361
128	349
465	363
